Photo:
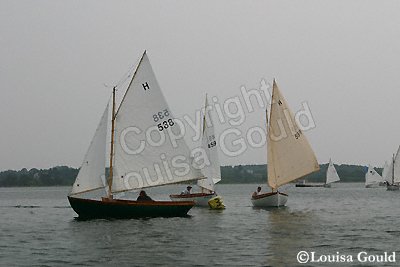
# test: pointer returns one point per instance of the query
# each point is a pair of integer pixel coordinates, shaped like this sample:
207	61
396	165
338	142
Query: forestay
92	172
145	154
290	156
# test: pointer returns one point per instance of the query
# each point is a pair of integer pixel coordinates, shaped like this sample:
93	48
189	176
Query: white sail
92	171
290	156
389	176
397	167
331	174
209	144
146	151
386	173
372	177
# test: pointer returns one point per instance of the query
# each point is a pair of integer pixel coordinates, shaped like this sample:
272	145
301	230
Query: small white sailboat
212	171
134	162
394	173
331	175
290	156
372	178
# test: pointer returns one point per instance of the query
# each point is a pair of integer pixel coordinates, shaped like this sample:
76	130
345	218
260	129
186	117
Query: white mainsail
393	168
290	156
148	151
386	173
209	144
331	173
92	172
389	176
372	177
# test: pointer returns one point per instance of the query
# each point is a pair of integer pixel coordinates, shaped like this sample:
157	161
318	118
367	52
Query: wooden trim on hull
119	208
268	194
200	199
192	195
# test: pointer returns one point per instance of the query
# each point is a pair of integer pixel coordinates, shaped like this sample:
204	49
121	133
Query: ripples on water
38	228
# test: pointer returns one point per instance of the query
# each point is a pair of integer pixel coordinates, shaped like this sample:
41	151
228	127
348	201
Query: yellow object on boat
216	203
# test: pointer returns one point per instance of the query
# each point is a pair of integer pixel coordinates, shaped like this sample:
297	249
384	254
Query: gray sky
342	57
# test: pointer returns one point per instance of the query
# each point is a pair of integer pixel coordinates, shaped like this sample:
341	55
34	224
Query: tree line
65	176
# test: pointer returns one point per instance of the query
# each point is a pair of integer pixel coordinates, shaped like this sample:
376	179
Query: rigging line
127	74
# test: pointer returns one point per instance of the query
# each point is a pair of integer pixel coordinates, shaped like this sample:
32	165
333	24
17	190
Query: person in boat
258	192
143	196
187	190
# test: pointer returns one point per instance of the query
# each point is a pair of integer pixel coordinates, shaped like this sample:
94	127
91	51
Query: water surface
38	228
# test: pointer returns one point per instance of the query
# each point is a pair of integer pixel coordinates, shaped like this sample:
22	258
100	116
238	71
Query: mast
110	178
266	119
393	171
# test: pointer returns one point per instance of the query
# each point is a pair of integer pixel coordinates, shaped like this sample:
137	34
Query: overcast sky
59	60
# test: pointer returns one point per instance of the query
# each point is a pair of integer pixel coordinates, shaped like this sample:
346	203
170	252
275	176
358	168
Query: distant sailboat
290	156
331	177
211	172
133	164
394	173
372	178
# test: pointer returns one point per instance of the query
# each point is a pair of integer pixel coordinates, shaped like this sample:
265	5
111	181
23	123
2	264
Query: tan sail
290	156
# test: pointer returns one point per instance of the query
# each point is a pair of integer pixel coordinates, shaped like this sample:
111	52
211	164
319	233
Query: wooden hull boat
118	208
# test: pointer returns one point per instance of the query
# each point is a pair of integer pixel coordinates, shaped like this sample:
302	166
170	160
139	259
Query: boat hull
393	187
118	208
310	185
273	199
372	185
200	199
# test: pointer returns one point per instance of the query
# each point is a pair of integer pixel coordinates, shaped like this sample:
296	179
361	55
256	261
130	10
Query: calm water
38	228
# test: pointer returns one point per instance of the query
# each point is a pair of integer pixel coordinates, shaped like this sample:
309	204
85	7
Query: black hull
311	185
123	209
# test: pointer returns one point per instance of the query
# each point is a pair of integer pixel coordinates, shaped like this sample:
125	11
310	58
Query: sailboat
212	171
135	162
331	177
394	173
290	156
372	178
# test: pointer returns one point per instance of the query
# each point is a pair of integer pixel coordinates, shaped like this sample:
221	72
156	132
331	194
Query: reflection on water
39	229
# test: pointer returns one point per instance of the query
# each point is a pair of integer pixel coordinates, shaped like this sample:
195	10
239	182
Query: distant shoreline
240	174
